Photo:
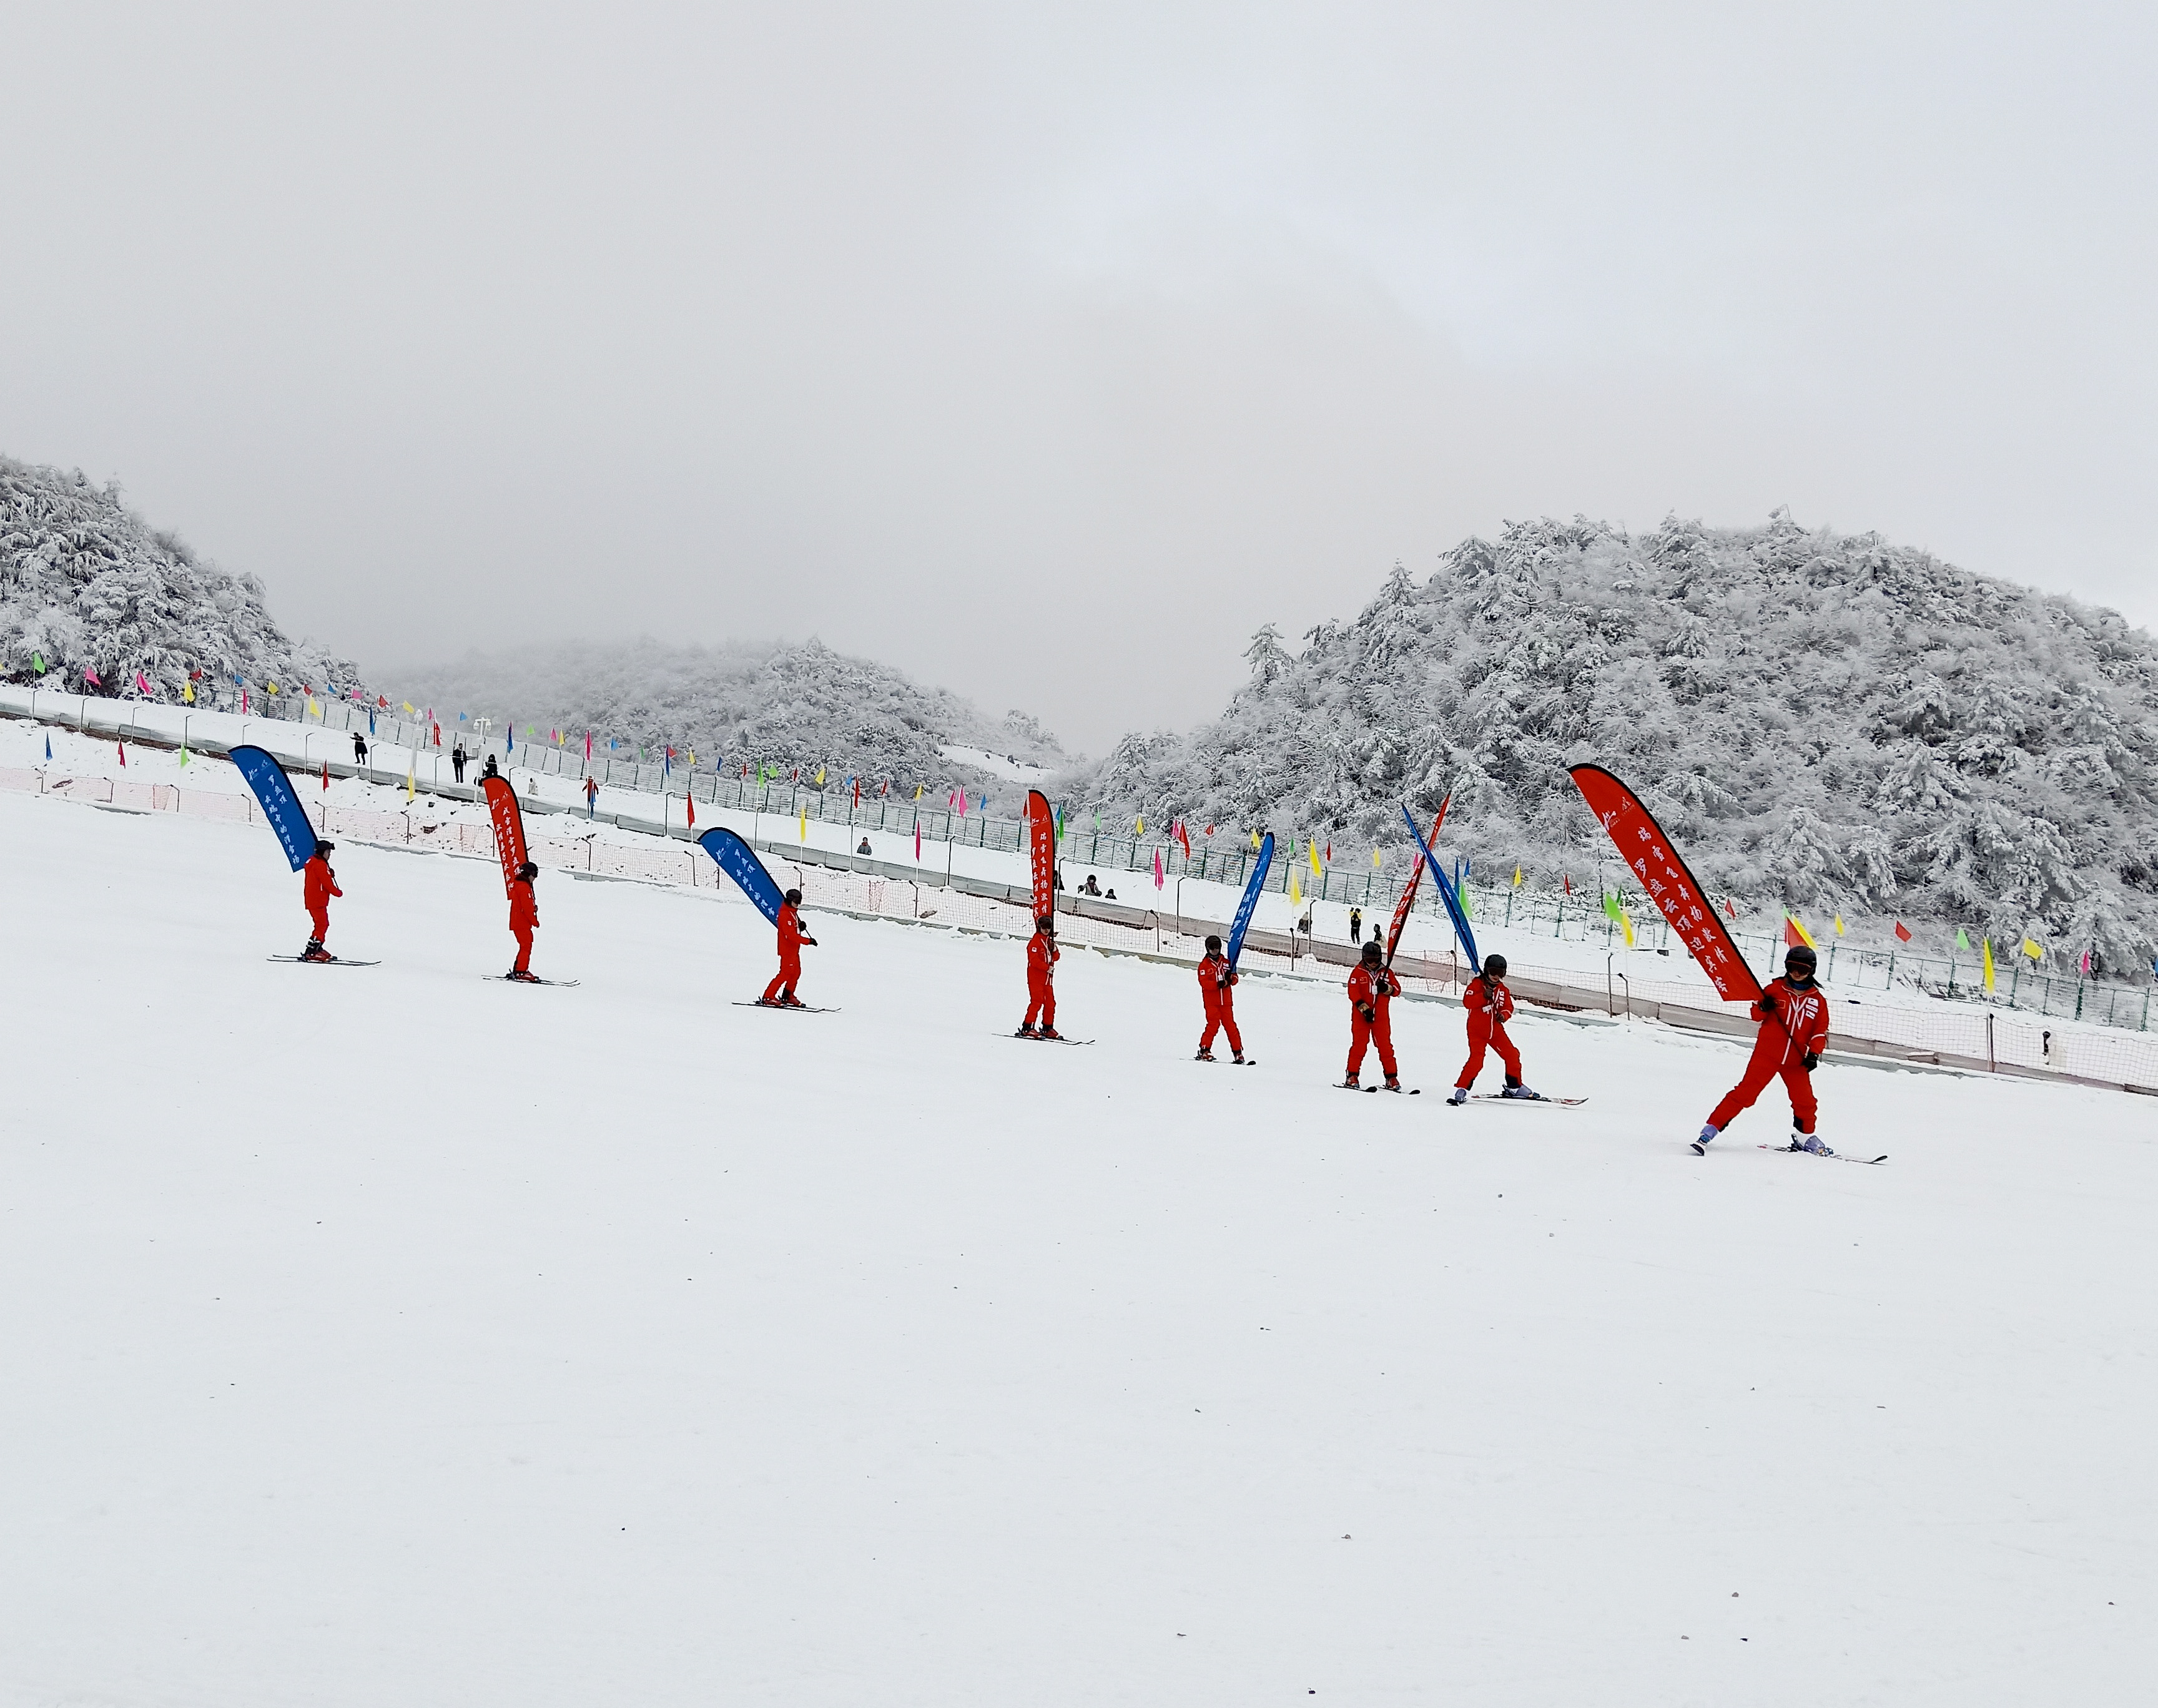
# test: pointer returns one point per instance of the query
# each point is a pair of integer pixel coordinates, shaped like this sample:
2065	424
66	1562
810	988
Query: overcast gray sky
1046	352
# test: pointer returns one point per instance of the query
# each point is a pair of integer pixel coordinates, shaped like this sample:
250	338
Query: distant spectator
865	848
592	793
359	748
490	771
1090	887
1111	896
1356	924
457	758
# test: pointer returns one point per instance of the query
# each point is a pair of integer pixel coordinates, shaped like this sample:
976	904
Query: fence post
1992	1064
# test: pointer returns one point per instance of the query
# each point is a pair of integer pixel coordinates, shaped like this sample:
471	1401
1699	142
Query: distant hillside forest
1828	722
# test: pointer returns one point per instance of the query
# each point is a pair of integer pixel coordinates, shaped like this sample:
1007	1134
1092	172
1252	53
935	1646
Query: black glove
1813	1060
1768	1002
1365	1009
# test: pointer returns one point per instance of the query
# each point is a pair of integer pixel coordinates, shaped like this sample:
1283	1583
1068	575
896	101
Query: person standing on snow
1372	988
780	992
1041	980
320	884
592	796
457	758
523	920
1794	1016
1356	924
1490	1005
1217	979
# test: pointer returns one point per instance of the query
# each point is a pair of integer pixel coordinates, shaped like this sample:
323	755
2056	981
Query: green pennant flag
38	662
1961	942
184	755
1611	907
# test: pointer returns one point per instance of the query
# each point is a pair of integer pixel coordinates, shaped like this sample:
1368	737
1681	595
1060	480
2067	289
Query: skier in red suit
1794	1016
1372	989
523	920
1041	980
780	992
1490	1005
321	884
1217	981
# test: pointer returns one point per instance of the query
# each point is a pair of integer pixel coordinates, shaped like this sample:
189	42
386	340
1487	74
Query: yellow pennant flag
820	773
314	709
411	787
1839	925
1377	859
1626	925
407	712
271	686
1295	894
1254	838
1989	964
1139	825
917	791
1312	848
1806	936
1517	877
2032	950
188	693
805	824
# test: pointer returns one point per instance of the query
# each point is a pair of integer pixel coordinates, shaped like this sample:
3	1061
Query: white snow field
382	1335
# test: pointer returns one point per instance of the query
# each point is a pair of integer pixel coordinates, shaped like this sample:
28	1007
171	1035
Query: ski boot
1049	1032
1352	1084
1458	1095
1203	1055
1515	1088
1024	1030
767	1002
1393	1082
1238	1059
315	952
788	999
516	976
1813	1143
1701	1144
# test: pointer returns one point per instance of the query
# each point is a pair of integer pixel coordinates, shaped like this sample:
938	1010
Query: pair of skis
491	978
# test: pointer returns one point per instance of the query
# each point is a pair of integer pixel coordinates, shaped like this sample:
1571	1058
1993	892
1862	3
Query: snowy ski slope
387	1335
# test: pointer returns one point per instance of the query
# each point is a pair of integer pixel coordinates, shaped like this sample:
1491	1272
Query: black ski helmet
1213	946
1046	923
1371	951
794	898
1798	955
1494	966
324	849
528	871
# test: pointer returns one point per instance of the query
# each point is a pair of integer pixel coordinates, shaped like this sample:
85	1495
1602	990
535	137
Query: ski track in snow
385	1334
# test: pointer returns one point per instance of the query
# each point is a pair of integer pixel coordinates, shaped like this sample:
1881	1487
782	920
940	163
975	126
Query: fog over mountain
1825	720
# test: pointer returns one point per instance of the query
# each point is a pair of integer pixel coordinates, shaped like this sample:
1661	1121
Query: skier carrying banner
1794	1016
1372	988
780	992
1490	1005
1041	980
523	920
321	884
1217	980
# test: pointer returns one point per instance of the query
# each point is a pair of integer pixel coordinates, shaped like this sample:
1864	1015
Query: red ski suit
1490	1005
523	920
1041	980
1798	1028
791	937
1217	981
1376	991
321	884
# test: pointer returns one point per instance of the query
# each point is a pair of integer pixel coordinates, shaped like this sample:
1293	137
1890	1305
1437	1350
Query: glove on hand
1813	1060
1768	1002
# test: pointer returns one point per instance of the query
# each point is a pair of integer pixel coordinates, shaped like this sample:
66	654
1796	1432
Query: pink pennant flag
90	676
142	684
588	747
122	746
917	842
2086	965
1156	869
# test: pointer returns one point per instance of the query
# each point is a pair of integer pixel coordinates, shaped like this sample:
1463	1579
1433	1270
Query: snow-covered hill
86	582
787	706
1825	721
382	1334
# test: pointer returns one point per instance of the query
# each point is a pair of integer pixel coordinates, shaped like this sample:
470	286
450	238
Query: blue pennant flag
739	861
1251	901
1466	937
279	805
